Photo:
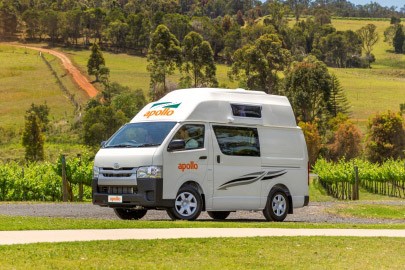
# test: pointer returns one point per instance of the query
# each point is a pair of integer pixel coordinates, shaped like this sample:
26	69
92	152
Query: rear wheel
130	214
277	205
187	205
219	215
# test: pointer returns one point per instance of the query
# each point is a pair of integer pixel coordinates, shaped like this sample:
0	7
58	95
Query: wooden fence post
64	180
356	184
79	156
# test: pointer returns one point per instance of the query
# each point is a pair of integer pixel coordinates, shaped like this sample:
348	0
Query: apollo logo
162	109
188	166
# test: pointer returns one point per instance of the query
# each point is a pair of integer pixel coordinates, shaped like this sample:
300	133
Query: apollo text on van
205	149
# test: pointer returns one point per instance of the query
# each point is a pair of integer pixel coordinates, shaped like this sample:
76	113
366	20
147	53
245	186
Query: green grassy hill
380	88
25	78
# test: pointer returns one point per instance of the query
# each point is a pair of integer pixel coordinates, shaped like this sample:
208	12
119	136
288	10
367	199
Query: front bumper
147	193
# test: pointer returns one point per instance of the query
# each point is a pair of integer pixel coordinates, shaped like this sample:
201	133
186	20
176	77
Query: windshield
146	134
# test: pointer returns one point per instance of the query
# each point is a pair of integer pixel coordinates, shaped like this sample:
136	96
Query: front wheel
219	215
130	214
277	206
187	205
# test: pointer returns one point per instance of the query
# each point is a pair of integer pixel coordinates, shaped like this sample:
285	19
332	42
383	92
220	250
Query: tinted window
246	110
192	135
238	141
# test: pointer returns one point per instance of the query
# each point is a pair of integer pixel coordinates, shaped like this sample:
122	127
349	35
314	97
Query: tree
96	63
116	33
385	137
399	38
163	56
33	138
298	6
100	122
198	61
369	37
308	87
346	142
322	16
312	139
129	102
42	111
257	65
8	18
338	102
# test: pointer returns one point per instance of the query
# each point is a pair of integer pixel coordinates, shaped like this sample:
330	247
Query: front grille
119	173
118	189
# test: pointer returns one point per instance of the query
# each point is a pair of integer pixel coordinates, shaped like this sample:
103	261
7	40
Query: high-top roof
214	105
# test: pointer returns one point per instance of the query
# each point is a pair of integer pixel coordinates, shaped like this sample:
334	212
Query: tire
219	215
277	206
187	205
130	214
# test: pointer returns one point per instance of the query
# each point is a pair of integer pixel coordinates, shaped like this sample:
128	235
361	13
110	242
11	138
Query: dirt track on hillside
77	76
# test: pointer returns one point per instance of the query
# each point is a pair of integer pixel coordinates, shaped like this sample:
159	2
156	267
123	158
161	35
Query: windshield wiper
148	144
122	145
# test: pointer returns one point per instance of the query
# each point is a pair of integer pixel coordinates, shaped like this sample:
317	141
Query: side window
246	110
238	141
192	135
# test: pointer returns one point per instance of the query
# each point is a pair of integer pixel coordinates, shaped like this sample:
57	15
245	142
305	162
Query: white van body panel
227	182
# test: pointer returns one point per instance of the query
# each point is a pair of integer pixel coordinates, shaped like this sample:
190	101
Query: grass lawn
370	210
222	253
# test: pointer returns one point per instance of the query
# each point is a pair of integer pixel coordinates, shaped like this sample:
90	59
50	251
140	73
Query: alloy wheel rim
186	204
279	205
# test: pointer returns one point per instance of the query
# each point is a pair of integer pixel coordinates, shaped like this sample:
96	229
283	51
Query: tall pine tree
338	102
33	139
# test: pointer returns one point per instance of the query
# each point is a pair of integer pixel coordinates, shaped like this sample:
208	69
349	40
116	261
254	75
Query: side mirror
176	145
102	144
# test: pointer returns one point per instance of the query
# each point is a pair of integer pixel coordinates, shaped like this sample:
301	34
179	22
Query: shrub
385	137
313	140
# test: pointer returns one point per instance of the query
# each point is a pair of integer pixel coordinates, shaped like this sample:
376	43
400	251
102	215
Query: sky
384	3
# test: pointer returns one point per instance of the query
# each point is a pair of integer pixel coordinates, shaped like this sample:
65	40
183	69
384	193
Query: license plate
114	199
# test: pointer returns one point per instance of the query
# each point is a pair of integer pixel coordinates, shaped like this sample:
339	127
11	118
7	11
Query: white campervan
205	149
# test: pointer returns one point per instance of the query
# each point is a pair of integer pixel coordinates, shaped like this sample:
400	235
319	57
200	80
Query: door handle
218	159
203	157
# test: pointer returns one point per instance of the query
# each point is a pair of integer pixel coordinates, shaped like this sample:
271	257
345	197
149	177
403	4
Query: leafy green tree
163	56
322	16
73	26
116	33
33	138
100	122
8	18
129	102
385	137
42	111
211	31
96	63
31	17
178	24
338	102
308	87
369	37
398	39
139	28
257	65
198	61
298	6
52	21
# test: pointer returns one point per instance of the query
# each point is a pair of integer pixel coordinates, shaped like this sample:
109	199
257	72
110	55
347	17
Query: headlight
149	172
96	172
